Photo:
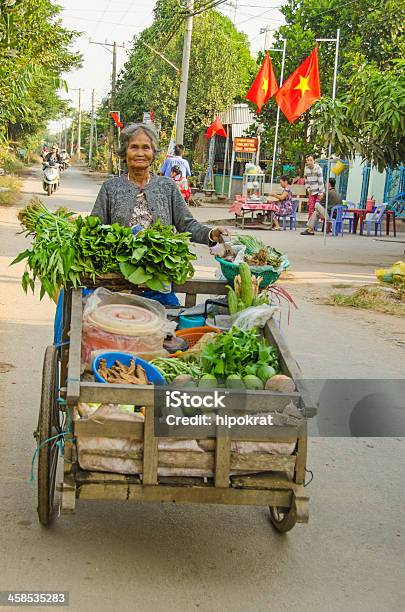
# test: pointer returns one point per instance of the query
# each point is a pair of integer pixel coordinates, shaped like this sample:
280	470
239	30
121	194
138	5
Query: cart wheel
283	519
49	425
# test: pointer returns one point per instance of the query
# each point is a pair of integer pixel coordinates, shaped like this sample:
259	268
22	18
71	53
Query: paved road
120	557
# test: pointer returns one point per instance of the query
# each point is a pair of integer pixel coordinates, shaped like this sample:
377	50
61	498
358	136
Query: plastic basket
194	334
269	274
152	373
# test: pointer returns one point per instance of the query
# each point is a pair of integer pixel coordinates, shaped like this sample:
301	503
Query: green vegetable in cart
265	372
253	383
208	381
236	352
234	381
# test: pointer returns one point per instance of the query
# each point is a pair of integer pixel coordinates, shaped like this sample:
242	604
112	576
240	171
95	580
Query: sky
120	20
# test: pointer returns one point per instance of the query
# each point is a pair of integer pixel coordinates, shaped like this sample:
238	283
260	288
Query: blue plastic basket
154	376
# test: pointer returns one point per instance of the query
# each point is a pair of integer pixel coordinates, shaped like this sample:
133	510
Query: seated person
284	207
334	199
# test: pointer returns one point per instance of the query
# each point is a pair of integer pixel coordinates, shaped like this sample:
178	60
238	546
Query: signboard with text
245	145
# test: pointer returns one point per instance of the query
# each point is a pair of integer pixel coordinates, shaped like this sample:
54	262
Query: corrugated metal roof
238	129
237	114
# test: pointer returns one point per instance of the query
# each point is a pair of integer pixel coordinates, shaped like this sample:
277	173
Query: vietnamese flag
115	117
264	86
216	129
301	89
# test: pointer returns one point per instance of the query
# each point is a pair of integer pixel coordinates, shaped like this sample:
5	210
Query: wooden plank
186	495
186	459
202	287
100	393
68	503
289	366
182	481
83	476
150	449
301	455
109	429
254	461
191	300
134	431
74	366
222	458
262	481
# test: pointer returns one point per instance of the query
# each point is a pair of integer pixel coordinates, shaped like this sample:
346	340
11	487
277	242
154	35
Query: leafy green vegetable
66	251
237	352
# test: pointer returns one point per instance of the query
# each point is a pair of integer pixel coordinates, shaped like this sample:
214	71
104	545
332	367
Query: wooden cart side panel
74	365
150	448
289	365
184	495
222	457
143	395
301	454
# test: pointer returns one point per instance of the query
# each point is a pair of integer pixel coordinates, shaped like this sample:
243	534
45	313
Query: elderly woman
139	198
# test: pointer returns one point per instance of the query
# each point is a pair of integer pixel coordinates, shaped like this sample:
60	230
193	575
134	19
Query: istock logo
180	399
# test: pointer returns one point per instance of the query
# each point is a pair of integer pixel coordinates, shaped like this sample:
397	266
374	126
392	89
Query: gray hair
130	130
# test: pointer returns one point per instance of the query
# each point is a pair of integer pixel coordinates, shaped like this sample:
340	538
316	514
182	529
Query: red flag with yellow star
264	86
216	129
301	89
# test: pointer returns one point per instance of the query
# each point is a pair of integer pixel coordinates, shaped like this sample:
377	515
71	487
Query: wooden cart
63	389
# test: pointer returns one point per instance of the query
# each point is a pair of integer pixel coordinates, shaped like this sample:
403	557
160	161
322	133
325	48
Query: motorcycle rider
53	155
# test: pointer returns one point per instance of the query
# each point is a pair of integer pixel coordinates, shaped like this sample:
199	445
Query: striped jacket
314	179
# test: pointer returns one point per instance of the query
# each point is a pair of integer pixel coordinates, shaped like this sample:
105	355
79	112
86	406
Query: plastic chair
336	217
348	216
292	217
376	218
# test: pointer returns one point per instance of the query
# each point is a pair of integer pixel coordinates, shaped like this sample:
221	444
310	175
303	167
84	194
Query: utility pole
267	39
79	123
114	46
72	137
91	127
181	115
66	136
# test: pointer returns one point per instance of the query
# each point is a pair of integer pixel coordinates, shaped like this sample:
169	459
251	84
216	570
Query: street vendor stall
101	383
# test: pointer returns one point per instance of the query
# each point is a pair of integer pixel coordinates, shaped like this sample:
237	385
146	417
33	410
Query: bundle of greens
66	250
238	352
160	256
172	367
52	257
258	254
105	246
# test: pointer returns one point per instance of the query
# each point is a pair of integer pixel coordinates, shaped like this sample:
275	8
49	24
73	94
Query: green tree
366	117
220	69
34	52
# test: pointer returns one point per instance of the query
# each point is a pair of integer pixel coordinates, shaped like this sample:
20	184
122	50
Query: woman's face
139	152
283	184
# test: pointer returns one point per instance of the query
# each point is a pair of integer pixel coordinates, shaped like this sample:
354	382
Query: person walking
334	199
176	160
313	176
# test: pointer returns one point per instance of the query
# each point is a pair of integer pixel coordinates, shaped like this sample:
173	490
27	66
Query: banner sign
245	145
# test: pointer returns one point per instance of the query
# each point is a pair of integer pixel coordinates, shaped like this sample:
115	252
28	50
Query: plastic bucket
187	322
153	375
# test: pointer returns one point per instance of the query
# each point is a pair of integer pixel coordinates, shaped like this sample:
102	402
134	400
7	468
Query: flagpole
337	41
225	158
278	114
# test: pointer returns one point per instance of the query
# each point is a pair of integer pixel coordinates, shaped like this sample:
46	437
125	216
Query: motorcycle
50	177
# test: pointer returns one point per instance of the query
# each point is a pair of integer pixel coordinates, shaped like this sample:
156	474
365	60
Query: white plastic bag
106	331
255	316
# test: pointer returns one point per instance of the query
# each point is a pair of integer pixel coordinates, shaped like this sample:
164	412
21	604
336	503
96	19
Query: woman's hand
216	233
